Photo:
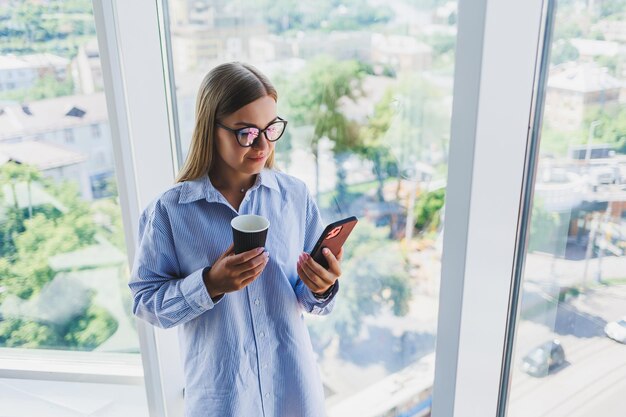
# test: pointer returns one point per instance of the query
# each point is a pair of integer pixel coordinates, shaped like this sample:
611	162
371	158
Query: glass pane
367	89
63	262
570	358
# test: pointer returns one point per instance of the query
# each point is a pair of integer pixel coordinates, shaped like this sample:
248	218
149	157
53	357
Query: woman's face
237	159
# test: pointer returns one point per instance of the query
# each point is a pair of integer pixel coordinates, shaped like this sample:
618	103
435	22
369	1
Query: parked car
616	330
544	358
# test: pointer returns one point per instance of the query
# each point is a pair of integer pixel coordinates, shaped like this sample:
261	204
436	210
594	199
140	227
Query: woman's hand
233	272
314	276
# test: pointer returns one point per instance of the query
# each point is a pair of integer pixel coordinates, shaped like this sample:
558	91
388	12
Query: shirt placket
261	334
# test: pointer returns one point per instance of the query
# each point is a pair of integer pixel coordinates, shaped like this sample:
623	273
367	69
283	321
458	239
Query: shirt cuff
321	302
196	295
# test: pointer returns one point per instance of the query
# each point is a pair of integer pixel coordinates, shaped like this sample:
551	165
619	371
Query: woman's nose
260	142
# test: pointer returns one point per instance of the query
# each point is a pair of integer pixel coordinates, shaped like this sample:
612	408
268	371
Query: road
593	380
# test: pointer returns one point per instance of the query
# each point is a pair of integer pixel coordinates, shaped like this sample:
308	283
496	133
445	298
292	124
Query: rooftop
39	154
17	120
582	77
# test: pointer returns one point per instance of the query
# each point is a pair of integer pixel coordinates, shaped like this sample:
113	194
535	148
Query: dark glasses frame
238	132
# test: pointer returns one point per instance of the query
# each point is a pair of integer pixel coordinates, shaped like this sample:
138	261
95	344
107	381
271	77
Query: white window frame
125	90
496	65
134	79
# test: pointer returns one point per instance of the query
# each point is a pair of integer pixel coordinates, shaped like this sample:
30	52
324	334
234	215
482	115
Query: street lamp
592	127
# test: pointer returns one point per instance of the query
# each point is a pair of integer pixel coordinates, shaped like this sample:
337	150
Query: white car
616	330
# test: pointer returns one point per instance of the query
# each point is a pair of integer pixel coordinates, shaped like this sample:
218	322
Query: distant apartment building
53	161
403	53
87	69
573	89
206	33
339	45
77	123
19	72
612	30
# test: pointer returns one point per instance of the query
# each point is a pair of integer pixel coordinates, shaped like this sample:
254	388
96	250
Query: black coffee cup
249	232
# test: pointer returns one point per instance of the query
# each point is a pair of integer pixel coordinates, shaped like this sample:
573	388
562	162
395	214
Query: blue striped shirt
248	354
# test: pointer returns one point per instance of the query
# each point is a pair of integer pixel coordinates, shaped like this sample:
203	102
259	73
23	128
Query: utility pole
590	243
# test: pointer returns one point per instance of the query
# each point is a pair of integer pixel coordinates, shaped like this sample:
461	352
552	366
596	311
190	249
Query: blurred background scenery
366	86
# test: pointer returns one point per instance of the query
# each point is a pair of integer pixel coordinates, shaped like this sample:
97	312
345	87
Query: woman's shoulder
167	198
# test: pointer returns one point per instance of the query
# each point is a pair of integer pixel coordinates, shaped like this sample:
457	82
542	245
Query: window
68	134
393	93
569	350
64	306
95	131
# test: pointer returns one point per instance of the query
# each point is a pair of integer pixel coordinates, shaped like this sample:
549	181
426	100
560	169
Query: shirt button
261	334
267	395
264	366
257	302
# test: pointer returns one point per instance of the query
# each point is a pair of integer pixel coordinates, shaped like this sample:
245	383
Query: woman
245	347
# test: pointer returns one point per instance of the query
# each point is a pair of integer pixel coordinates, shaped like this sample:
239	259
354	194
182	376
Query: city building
52	161
19	72
403	53
77	123
87	70
575	88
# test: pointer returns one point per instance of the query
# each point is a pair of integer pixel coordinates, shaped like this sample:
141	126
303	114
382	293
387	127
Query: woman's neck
230	184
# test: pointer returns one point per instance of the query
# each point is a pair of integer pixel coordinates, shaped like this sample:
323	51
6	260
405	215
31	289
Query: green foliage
612	8
563	51
46	87
547	230
55	26
314	99
29	239
373	146
376	277
112	229
612	128
566	29
442	43
614	64
91	329
291	15
27	334
84	332
427	210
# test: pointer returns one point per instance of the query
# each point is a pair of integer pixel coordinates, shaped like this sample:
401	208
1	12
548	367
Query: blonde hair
223	91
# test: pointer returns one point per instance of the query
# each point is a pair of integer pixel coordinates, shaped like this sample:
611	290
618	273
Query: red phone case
333	238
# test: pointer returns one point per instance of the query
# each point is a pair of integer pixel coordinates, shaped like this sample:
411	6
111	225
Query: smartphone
333	238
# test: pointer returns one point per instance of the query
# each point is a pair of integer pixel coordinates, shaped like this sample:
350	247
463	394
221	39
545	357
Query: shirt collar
201	188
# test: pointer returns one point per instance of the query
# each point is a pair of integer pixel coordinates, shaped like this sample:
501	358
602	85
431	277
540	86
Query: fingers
340	254
333	263
309	281
315	273
257	269
244	257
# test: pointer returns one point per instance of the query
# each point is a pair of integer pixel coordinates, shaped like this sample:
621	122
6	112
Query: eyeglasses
246	136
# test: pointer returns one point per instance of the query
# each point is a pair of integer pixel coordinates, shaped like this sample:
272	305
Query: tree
563	51
29	239
45	87
612	127
314	98
427	209
373	146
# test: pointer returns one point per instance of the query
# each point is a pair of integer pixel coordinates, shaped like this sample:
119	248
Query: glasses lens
247	136
275	131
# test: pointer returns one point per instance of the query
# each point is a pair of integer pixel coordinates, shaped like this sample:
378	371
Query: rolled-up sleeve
314	226
160	295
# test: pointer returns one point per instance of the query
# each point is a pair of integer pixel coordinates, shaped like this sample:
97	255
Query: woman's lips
257	158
